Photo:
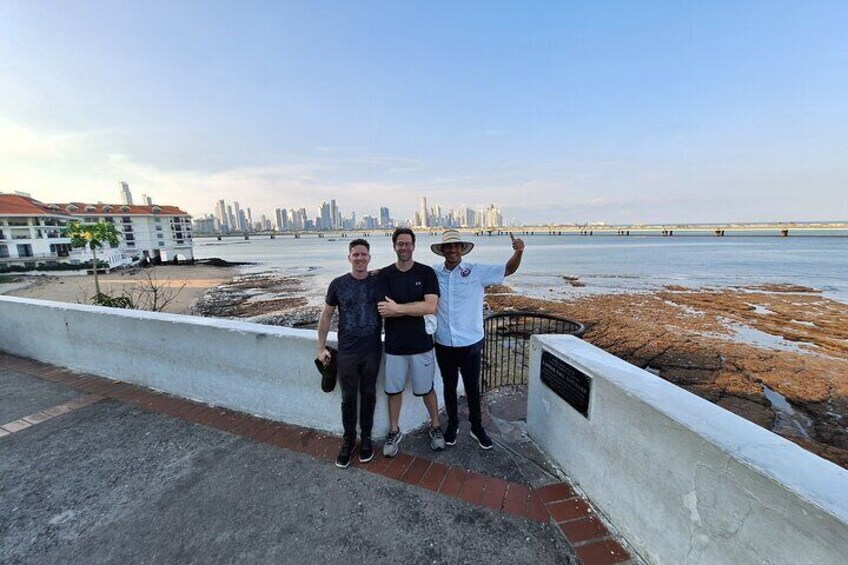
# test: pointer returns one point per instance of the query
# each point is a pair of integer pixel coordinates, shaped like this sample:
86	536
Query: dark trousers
357	374
466	361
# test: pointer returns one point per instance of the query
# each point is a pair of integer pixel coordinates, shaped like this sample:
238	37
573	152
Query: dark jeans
466	361
357	374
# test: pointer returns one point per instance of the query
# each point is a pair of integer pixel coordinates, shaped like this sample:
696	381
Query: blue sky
556	111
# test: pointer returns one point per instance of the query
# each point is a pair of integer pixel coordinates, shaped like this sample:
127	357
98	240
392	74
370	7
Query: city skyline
559	113
233	217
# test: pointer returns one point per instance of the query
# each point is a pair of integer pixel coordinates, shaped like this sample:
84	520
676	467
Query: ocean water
603	263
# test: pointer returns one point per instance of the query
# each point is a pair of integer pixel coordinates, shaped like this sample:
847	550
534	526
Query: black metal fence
506	349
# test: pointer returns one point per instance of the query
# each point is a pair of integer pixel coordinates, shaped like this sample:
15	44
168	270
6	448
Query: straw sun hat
452	236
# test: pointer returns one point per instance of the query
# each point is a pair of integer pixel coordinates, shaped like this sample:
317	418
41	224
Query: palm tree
92	236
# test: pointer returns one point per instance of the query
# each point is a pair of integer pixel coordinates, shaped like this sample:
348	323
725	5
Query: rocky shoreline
776	355
265	297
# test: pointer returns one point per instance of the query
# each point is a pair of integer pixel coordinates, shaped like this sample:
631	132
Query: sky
556	112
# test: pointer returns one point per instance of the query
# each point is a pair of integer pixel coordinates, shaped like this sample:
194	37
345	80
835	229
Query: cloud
19	142
88	166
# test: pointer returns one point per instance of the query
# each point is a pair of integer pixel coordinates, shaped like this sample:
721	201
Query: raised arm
515	261
323	329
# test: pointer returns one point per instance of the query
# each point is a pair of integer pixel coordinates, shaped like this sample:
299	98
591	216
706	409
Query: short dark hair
401	231
359	241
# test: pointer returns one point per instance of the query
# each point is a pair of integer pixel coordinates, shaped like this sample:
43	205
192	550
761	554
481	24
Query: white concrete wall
263	370
684	480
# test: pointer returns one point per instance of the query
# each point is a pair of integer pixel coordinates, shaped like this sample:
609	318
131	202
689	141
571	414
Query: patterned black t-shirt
360	324
405	335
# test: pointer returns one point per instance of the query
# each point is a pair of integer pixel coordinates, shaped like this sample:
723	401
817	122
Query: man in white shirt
459	334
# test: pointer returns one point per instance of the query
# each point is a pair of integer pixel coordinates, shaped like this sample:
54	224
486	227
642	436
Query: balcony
32	257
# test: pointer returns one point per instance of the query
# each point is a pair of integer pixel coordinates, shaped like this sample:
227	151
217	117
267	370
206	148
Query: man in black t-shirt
410	292
360	349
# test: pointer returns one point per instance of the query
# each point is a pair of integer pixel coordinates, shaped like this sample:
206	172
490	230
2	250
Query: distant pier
834	229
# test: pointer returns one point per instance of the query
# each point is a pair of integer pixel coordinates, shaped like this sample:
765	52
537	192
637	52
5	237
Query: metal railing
506	349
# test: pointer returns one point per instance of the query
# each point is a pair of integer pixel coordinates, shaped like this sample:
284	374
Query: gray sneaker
437	440
390	448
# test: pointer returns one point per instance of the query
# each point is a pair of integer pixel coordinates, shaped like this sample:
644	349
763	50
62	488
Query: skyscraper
324	214
126	195
334	211
384	217
221	214
239	225
423	213
492	217
470	218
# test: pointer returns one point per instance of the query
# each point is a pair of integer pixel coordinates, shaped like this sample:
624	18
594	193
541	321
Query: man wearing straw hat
459	334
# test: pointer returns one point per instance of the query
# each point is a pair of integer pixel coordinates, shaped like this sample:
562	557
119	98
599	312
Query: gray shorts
421	367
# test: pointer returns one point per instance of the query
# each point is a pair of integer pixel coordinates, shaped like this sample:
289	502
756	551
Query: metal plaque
570	384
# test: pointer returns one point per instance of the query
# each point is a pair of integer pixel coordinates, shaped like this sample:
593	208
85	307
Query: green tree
92	236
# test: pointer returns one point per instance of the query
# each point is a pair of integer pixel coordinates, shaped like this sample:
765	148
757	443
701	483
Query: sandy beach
776	355
186	282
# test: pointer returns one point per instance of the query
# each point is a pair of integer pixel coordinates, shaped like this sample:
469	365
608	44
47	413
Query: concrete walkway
102	472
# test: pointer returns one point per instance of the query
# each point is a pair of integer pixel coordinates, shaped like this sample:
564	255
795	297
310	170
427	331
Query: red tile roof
118	209
17	205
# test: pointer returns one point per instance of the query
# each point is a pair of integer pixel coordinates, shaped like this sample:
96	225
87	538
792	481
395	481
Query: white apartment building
30	232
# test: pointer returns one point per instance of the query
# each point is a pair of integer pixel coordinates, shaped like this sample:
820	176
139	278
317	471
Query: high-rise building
239	224
126	195
436	219
384	218
470	218
335	223
231	219
422	215
206	224
492	217
325	219
148	201
221	214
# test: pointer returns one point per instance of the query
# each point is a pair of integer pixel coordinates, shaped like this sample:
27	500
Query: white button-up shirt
460	311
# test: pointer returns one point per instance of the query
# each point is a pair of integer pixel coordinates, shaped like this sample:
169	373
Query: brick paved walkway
573	514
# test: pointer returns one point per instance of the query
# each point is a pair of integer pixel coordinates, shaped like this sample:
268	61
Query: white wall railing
685	481
263	370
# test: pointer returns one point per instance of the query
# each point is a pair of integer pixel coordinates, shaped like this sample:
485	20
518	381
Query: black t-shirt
405	335
360	323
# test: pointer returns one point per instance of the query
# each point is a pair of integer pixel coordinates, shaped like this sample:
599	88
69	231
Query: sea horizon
564	268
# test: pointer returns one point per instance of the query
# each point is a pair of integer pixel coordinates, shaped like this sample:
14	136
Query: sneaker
345	453
482	438
366	450
390	448
450	434
437	440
